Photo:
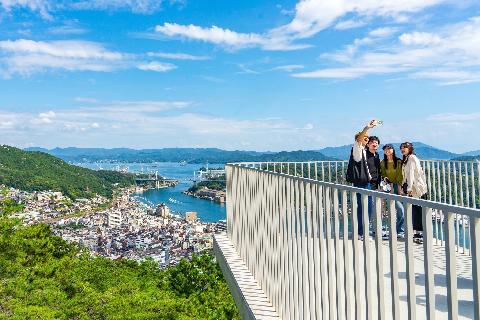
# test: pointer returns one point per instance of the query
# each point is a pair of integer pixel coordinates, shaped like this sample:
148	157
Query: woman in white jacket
414	184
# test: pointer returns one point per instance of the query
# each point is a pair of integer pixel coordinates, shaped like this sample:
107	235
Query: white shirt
359	152
414	176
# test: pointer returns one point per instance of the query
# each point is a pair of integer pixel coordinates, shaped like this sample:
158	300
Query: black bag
357	171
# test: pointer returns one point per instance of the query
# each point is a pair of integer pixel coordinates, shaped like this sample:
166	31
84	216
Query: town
120	228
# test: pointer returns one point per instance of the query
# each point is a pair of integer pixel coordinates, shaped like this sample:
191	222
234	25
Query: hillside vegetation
36	171
44	277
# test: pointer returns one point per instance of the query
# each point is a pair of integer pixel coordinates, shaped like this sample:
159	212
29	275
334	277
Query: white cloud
134	123
344	73
419	39
383	32
64	49
225	37
451	55
41	6
455	117
135	6
350	24
289	67
44	118
246	70
177	56
67	30
308	126
214	34
85	100
25	57
157	66
311	17
46	7
28	56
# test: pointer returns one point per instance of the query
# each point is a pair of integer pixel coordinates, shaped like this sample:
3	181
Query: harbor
173	196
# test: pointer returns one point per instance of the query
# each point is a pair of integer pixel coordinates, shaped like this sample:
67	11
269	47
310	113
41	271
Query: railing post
330	249
428	262
475	249
379	260
347	257
474	194
338	256
394	261
411	297
367	260
356	256
451	267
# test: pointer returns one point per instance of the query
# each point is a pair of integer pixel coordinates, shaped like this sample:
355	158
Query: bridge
292	251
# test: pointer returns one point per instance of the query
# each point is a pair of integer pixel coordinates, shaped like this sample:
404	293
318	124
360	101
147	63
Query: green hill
37	171
44	277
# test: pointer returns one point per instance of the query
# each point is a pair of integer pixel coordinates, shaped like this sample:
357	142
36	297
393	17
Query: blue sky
255	75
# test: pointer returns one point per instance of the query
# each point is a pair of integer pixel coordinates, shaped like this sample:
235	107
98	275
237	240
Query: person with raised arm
364	168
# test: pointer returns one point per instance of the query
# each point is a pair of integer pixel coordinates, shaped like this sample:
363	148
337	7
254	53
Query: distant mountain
286	156
341	152
471	153
423	151
191	155
467	158
37	171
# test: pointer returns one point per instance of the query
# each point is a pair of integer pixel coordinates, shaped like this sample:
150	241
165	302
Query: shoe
418	238
361	238
401	236
385	235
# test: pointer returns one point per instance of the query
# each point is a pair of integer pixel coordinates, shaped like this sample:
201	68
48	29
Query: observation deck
292	250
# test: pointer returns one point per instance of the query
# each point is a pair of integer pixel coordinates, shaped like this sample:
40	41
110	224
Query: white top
359	153
414	176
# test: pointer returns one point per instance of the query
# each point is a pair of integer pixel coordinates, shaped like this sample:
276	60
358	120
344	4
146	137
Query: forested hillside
35	171
44	277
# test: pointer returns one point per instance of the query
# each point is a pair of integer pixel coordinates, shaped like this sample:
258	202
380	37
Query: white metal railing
452	182
449	181
298	237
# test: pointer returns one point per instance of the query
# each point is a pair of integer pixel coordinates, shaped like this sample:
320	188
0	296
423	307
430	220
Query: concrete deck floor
464	281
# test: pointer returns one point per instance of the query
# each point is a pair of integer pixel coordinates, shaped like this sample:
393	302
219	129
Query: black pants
417	220
417	217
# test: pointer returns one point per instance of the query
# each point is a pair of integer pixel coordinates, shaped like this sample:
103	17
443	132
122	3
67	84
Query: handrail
298	236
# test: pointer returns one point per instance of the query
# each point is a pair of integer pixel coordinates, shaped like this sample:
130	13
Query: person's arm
357	146
364	132
357	151
410	175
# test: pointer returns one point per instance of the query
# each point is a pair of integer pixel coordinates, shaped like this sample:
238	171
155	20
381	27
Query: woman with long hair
413	184
392	177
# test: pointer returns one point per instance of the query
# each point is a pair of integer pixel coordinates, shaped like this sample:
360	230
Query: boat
183	163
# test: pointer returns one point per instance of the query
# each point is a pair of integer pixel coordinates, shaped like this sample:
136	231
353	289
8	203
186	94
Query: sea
179	203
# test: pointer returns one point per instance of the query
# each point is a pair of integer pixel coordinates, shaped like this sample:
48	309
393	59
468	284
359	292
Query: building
191	216
114	219
163	211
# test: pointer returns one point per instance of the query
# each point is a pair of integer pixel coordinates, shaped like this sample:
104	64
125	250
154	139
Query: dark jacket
358	171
